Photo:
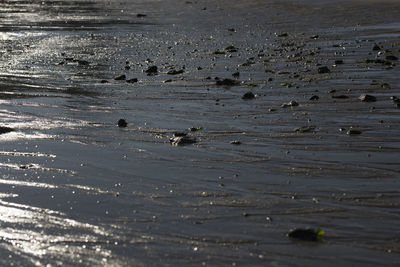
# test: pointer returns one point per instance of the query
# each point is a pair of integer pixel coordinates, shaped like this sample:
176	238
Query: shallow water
77	190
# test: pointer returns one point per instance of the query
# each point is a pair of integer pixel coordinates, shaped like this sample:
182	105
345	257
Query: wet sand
76	189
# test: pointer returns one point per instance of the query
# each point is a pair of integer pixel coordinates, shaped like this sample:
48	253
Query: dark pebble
141	15
376	47
290	104
236	74
340	96
323	70
367	98
227	82
248	95
179	134
120	77
4	129
236	142
153	70
353	132
314	97
103	81
182	141
175	72
122	123
338	62
134	80
306	234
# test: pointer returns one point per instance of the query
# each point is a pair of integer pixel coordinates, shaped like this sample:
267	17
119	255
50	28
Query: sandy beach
239	122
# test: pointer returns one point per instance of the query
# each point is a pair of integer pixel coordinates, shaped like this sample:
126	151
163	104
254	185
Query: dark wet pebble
314	97
120	77
122	123
316	36
305	129
231	49
395	99
134	80
103	81
227	82
376	47
290	104
353	132
340	96
231	30
179	134
4	129
332	91
83	62
248	95
168	81
338	62
282	34
391	57
236	142
175	72
306	234
236	74
182	140
141	15
367	98
195	129
153	70
323	70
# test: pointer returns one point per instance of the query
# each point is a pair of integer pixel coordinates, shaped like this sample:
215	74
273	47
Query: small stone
353	132
120	77
180	134
141	15
306	234
340	96
323	70
376	47
153	70
236	142
122	123
236	74
182	141
290	104
227	82
338	62
248	95
103	81
305	129
175	72
367	98
314	97
134	80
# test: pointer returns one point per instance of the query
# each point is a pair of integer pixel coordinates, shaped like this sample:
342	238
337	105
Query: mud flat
152	133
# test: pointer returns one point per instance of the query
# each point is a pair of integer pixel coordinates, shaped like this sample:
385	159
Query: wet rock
141	15
236	142
4	129
395	99
353	132
134	80
391	57
195	129
231	49
338	62
83	62
120	77
248	95
376	47
153	70
231	30
227	82
305	129
316	36
306	234
332	91
168	81
103	81
314	97
367	98
323	70
290	104
175	72
122	123
284	34
182	140
179	134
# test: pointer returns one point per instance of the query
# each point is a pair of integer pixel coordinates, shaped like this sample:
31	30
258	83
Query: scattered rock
134	80
323	70
340	96
182	140
103	81
284	34
122	123
338	62
227	82
120	77
307	234
179	134
367	98
4	129
236	74
314	97
195	129
175	72
141	15
248	95
153	70
290	104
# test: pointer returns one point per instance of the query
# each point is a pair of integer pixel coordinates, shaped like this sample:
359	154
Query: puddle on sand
78	190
